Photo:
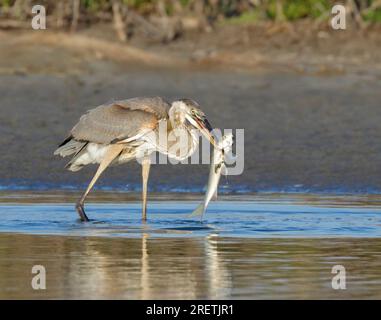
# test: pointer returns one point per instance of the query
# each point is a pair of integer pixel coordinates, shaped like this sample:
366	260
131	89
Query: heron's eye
194	113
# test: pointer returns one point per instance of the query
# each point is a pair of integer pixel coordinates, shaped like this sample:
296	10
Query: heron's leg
146	163
111	154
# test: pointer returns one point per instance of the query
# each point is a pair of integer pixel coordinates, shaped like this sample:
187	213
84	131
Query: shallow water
251	216
257	247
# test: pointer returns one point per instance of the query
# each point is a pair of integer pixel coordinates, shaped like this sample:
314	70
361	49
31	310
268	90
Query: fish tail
199	211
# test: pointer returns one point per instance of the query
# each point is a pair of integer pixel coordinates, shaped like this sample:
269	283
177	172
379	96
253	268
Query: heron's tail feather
73	164
69	147
199	211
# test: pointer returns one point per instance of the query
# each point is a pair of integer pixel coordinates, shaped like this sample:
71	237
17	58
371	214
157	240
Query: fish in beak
204	126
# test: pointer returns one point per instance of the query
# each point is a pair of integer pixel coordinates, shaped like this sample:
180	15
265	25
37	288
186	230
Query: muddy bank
303	131
300	47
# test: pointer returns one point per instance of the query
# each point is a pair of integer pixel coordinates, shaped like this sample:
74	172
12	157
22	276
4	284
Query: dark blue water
262	217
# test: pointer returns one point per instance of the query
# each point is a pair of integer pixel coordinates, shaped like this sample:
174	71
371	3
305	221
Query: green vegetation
299	9
373	16
289	10
247	17
228	11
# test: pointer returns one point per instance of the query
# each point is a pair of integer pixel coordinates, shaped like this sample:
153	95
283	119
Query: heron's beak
206	129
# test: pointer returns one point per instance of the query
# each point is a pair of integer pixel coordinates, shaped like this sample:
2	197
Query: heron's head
187	110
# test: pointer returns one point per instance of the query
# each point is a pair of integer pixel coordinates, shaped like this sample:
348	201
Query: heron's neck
182	141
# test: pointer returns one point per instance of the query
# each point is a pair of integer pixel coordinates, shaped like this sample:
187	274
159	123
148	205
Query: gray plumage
120	120
110	123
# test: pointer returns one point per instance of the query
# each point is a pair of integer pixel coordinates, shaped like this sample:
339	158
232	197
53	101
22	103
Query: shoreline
113	196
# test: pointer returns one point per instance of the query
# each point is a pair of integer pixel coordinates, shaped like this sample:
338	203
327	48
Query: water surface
255	247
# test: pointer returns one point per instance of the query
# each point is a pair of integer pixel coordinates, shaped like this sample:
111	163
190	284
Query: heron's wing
120	120
155	105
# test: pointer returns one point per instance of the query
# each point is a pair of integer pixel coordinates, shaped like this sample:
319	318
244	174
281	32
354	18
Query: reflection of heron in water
219	276
144	270
117	133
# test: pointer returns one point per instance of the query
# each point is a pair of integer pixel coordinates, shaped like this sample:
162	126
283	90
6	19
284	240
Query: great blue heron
121	131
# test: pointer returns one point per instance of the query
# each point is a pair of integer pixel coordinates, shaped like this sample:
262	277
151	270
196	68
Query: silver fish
217	167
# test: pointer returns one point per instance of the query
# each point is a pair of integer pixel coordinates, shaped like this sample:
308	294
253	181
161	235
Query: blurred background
307	96
167	20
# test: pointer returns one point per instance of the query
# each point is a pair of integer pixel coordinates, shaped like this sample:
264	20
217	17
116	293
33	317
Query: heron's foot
81	211
144	215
